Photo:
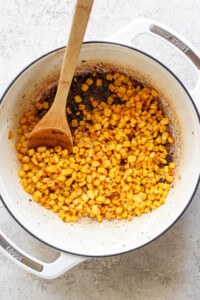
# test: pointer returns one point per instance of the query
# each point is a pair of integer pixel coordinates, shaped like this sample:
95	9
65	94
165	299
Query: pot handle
44	270
127	34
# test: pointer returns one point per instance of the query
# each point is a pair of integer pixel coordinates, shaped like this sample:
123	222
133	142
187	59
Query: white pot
91	239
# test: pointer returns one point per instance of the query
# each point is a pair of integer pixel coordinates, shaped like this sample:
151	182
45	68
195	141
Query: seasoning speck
10	135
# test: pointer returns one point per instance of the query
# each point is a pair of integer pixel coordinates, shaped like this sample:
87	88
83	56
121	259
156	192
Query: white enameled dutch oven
84	239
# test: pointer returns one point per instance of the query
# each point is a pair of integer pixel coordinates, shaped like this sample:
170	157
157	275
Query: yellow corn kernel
62	178
163	128
78	99
107	112
99	82
165	136
110	100
90	194
38	105
45	105
144	140
97	126
159	140
89	81
166	186
137	212
122	89
97	182
67	219
74	218
172	165
95	163
154	93
81	107
74	123
31	152
129	217
41	149
111	87
138	105
69	181
119	210
169	179
30	174
25	159
106	164
170	140
21	173
131	158
26	167
137	98
95	210
163	161
69	111
99	218
116	75
109	77
95	103
84	88
34	161
164	121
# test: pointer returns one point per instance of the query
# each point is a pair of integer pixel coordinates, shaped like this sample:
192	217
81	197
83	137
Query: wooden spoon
53	129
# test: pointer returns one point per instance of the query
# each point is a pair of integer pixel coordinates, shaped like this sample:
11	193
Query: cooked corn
118	162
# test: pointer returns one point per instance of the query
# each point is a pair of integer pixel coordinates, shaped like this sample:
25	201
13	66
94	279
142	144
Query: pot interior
87	237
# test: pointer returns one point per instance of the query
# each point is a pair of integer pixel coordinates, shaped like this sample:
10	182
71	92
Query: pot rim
195	108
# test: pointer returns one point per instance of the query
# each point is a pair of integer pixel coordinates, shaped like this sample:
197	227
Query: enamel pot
77	241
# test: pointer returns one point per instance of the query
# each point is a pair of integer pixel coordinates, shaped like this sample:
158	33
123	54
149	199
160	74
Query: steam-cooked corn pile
118	167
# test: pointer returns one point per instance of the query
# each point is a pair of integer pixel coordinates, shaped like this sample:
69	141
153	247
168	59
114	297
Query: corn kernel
122	90
81	107
90	194
95	209
111	87
99	82
78	99
109	77
154	93
84	88
41	149
164	121
74	123
97	126
169	179
45	105
172	165
131	158
110	100
69	111
170	140
107	112
95	163
38	105
89	81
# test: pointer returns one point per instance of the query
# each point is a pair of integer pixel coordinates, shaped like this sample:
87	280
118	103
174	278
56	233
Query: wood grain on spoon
53	129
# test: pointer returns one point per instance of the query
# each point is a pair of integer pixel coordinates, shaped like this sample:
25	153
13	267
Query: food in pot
121	164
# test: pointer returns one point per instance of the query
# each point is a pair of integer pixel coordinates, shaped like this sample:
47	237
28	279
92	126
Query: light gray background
168	268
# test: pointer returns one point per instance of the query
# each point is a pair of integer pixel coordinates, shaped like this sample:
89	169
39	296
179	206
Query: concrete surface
168	268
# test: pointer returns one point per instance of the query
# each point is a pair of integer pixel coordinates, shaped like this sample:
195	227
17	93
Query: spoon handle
79	24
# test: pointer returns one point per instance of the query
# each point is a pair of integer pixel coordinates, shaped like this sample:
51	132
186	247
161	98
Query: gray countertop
168	268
